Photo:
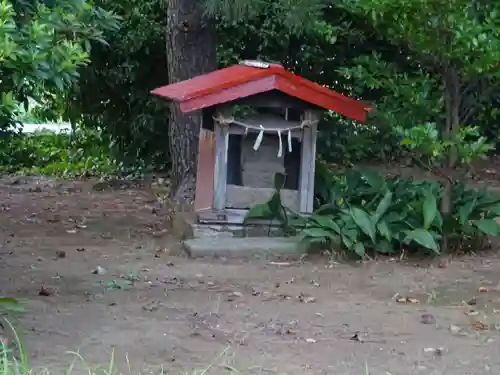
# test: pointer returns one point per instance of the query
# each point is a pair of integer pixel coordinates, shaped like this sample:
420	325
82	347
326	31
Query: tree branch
472	85
435	171
472	110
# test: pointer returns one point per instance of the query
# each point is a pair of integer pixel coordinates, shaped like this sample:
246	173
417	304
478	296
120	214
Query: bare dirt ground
157	310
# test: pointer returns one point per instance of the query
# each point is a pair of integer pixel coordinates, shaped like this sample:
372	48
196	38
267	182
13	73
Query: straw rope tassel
280	147
258	141
289	140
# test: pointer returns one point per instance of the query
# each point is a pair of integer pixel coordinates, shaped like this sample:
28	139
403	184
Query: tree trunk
452	98
191	51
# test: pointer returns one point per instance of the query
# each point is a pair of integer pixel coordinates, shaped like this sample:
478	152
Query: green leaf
494	210
487	226
347	241
438	222
383	206
359	249
10	304
363	221
423	238
276	207
318	234
279	181
328	208
430	210
259	211
384	230
374	179
385	247
325	222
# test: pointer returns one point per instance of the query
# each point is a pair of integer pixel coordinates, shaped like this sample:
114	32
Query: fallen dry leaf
284	296
356	337
407	300
472	302
306	299
233	296
479	325
99	270
471	313
162	251
455	329
45	292
427	319
436	351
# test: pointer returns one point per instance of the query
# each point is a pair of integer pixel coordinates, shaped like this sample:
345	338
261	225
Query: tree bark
191	51
452	99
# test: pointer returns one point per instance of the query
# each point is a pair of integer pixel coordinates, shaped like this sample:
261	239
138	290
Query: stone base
185	226
231	240
242	247
236	231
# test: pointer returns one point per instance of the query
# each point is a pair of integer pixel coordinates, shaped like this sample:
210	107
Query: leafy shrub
348	142
365	211
361	211
425	143
274	208
82	154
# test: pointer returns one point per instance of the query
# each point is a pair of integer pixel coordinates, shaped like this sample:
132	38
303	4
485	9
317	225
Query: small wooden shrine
258	119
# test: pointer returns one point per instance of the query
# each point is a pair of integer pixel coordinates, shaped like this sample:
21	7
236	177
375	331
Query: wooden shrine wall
206	168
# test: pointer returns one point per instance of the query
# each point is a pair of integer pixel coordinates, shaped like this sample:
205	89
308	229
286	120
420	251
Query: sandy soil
156	310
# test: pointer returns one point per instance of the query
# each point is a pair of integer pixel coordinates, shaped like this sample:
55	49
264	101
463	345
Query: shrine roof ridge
255	77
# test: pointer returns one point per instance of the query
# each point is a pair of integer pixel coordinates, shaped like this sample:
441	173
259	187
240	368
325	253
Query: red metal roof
239	81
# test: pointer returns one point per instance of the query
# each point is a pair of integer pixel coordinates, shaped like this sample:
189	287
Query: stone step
242	246
184	226
216	230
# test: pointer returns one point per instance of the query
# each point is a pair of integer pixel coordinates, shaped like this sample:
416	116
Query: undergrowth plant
443	153
8	304
365	211
83	153
273	209
362	211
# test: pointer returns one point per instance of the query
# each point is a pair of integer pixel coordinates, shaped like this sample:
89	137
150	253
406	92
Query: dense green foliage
364	211
43	46
84	153
114	89
352	46
357	212
394	54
